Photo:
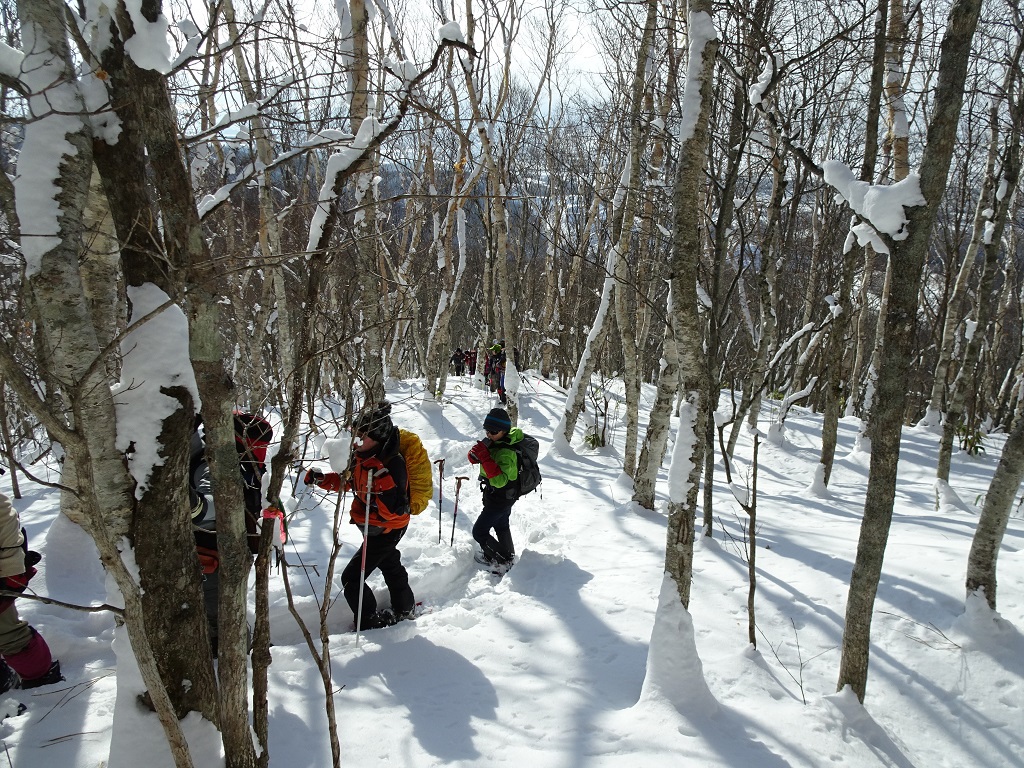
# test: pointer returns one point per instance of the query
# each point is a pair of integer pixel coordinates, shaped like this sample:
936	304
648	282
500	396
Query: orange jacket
388	492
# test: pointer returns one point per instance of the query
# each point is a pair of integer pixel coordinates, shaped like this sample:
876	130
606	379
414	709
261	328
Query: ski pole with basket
458	486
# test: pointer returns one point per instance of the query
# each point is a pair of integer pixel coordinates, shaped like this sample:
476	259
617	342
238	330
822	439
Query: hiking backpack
529	477
418	468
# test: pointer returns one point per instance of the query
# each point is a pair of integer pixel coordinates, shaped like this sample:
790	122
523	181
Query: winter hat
375	422
497	421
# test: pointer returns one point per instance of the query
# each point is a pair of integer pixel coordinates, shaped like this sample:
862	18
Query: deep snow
549	666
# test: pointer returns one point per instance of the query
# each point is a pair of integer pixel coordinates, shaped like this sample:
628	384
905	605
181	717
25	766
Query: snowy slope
547	666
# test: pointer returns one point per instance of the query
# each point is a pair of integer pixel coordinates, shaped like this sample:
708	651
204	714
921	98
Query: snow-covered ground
547	666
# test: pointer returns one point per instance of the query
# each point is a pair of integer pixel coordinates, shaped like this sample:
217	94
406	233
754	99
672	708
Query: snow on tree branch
881	206
149	47
702	30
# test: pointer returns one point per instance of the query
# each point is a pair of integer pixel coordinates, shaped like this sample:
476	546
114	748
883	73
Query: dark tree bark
161	524
886	419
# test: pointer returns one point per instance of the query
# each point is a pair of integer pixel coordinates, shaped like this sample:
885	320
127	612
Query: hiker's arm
504	470
331	481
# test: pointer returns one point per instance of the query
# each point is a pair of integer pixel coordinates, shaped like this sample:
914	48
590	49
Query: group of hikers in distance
494	366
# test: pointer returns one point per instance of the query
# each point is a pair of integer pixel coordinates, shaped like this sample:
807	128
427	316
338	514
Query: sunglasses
493	432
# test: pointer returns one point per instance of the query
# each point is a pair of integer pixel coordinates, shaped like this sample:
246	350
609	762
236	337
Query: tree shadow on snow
442	691
611	667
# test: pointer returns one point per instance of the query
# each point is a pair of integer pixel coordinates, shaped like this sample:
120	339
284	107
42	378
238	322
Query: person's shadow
442	690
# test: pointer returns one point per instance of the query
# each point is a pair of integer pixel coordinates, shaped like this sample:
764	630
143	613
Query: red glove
330	482
490	466
479	452
16	583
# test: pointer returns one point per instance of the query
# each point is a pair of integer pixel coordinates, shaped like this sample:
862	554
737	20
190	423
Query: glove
313	477
14	584
479	452
17	583
490	466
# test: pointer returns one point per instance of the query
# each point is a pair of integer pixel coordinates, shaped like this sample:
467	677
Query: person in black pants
386	519
499	471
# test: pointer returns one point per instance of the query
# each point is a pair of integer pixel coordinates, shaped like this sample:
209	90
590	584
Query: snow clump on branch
881	206
451	31
149	46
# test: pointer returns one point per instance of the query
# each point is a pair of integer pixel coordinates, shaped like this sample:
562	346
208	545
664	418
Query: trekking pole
440	494
458	485
362	566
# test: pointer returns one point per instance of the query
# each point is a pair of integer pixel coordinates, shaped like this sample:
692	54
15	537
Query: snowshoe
500	569
496	567
480	557
51	676
8	678
377	620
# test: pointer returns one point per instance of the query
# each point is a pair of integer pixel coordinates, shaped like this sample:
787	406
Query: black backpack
529	477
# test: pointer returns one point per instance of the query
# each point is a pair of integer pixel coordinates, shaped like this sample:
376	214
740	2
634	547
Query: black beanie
497	421
375	422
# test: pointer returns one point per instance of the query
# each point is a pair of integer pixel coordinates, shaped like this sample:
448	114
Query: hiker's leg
394	573
506	547
375	551
494	512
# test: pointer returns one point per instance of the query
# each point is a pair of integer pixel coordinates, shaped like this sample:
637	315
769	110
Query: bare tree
886	420
693	385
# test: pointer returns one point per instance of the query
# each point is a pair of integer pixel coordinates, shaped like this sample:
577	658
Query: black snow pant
495	515
381	552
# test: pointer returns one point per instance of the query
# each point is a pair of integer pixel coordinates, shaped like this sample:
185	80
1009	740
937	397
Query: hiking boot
379	620
51	676
9	679
480	557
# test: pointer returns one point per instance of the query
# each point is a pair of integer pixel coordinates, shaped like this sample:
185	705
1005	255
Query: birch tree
688	451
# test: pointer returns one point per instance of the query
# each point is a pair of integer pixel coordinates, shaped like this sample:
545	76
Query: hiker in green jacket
498	473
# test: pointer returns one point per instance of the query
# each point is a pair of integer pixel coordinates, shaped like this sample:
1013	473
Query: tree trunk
767	291
269	232
71	348
624	283
888	414
993	212
954	313
368	275
576	396
185	244
688	453
995	513
837	384
652	452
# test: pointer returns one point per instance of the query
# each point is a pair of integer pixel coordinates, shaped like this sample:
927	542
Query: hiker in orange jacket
385	519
